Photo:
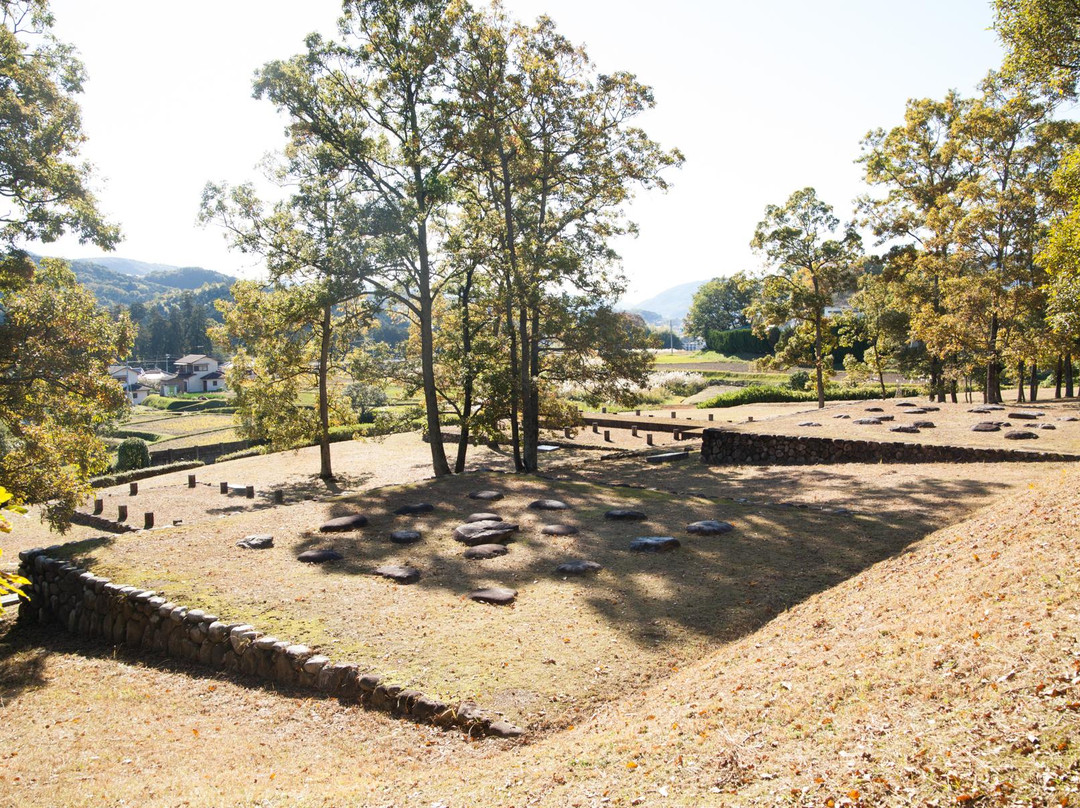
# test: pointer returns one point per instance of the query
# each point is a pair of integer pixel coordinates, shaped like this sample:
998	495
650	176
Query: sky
763	98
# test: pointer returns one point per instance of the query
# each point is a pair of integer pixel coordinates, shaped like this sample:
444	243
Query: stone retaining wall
726	447
91	606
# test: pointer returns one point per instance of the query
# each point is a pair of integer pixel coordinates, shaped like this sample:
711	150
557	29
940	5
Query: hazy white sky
763	98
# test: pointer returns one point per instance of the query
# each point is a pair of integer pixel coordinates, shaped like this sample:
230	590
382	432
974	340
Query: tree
1042	38
922	168
55	342
55	393
1015	144
720	304
288	339
45	189
376	104
304	327
553	158
811	268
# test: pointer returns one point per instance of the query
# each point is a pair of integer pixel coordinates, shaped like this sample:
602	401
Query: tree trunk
1068	376
467	386
820	373
427	359
325	470
531	412
515	393
953	390
525	373
1020	382
1058	373
992	385
1033	387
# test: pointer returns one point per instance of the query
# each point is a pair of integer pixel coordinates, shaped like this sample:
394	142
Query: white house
199	374
129	378
167	384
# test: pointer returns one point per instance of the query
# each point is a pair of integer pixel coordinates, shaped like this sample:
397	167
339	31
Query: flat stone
917	411
319	556
1024	416
405	536
924	425
1021	434
344	524
909	430
867	421
483	516
655	544
904	404
667	457
559	530
1068	418
709	527
885	417
625	515
496	595
414	509
401	575
548	505
486	496
484	552
504	729
809	423
874	409
474	533
258	541
981	410
842	415
986	426
928	408
578	568
1047	426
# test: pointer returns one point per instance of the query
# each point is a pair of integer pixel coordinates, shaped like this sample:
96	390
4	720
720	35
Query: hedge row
121	477
149	437
768	394
188	404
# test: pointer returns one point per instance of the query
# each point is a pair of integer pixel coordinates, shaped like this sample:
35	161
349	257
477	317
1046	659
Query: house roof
217	374
190	359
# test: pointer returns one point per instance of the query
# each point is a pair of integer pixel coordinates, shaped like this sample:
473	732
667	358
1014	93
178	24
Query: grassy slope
944	676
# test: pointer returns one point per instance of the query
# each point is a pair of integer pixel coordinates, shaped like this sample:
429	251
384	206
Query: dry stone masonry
726	447
91	606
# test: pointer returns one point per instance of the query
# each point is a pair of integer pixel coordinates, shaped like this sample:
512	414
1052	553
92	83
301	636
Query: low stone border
91	606
725	447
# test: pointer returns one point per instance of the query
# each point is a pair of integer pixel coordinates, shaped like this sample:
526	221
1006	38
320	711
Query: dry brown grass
900	669
953	425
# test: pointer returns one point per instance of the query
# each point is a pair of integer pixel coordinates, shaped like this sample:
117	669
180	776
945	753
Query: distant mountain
125	266
122	281
671	304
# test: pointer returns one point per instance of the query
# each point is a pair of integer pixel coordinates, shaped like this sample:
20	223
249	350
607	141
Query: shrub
188	404
254	451
765	394
740	342
798	380
119	478
149	437
132	454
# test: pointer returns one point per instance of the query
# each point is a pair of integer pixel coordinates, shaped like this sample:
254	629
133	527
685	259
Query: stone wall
91	606
726	447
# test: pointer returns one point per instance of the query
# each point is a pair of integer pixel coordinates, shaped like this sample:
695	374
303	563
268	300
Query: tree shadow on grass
715	588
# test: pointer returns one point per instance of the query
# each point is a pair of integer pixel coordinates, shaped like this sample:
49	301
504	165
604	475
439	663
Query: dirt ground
104	728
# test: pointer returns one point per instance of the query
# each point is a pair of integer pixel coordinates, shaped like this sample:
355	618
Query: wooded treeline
972	206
